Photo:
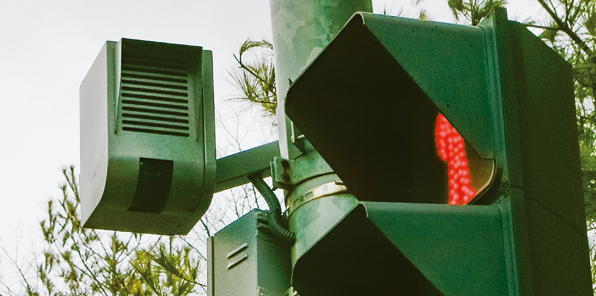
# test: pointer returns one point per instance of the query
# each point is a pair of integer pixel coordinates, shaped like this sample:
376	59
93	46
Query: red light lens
451	148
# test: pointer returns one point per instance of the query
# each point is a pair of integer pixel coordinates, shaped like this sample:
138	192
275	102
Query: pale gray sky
47	47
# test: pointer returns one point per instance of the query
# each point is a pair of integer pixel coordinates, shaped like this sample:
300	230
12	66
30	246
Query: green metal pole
301	30
315	197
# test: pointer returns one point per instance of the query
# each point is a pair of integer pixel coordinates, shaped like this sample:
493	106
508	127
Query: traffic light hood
369	103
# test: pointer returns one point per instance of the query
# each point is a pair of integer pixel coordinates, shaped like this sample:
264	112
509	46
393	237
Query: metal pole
301	30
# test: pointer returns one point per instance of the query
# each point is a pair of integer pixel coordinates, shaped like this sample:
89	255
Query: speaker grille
154	96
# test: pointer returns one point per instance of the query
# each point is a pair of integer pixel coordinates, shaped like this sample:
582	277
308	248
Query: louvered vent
155	96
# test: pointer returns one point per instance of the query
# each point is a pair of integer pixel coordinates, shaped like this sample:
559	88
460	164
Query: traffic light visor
395	122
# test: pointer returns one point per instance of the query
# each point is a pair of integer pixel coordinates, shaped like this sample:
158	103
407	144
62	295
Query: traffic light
414	116
147	138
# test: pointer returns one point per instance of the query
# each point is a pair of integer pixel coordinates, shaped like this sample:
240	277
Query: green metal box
245	259
147	138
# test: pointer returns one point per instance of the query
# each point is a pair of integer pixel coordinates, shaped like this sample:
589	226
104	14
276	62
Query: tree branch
564	27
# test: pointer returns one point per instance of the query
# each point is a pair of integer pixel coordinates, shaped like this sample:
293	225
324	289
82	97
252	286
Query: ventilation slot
154	96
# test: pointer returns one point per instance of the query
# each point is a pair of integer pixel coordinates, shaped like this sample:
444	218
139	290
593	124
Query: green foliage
255	76
178	264
473	11
79	261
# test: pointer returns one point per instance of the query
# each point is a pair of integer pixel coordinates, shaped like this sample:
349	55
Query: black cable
266	192
274	209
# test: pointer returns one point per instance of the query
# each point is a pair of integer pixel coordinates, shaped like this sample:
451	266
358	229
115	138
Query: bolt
285	164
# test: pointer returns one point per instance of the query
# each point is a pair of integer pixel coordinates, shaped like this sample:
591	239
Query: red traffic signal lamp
369	105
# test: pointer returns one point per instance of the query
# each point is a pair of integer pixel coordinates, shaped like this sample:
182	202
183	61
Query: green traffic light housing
369	105
147	138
